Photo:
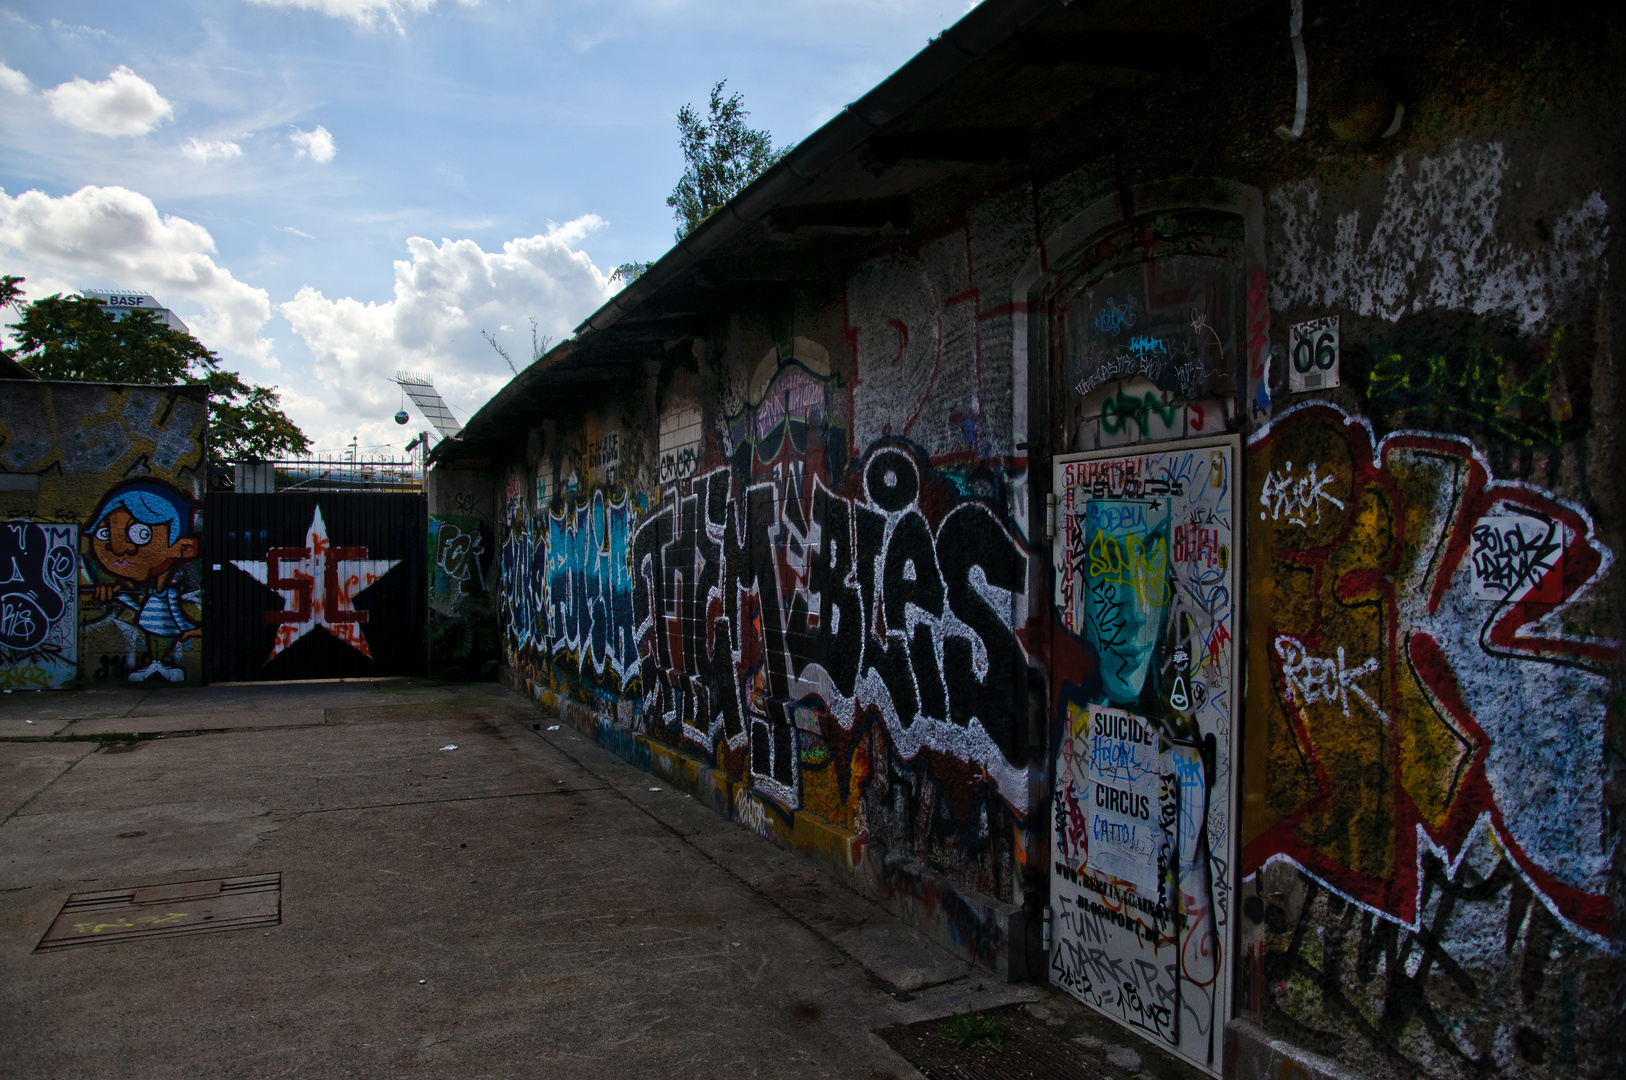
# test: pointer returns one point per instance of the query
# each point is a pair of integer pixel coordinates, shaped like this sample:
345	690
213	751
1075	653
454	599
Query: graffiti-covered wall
763	564
464	635
1335	754
100	490
1434	622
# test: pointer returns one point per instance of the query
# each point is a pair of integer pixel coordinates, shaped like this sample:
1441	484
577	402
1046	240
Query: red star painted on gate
318	583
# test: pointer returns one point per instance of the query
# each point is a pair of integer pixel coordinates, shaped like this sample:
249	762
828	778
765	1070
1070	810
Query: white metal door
1147	543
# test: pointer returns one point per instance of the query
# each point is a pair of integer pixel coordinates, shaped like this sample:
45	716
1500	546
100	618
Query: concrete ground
525	905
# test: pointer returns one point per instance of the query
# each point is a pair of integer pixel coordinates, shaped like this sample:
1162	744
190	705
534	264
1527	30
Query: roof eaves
982	29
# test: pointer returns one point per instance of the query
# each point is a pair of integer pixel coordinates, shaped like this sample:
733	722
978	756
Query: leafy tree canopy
11	292
72	337
245	422
720	157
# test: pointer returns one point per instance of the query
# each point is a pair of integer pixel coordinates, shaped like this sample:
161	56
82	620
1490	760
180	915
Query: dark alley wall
809	548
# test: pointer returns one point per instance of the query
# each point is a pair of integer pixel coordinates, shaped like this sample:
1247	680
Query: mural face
139	536
39	625
1433	732
1144	784
115	507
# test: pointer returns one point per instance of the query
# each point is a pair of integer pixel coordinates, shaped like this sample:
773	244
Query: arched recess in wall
1190	221
1141	320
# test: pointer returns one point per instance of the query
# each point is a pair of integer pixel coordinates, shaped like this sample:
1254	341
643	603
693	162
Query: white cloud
79	30
362	12
444	296
204	151
317	145
290	230
12	80
122	104
111	235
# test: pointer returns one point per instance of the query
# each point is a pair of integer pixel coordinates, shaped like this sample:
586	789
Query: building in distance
119	304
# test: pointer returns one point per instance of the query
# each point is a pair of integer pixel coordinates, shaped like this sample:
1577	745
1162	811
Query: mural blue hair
150	503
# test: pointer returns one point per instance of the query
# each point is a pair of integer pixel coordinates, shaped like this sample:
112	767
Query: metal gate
318	585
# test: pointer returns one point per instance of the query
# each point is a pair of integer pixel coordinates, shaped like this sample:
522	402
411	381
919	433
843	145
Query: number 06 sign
1312	356
1147	548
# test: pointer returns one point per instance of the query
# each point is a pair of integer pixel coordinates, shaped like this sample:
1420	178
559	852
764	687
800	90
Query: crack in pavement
433	802
47	786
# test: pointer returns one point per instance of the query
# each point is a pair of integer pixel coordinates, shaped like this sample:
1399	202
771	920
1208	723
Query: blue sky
330	190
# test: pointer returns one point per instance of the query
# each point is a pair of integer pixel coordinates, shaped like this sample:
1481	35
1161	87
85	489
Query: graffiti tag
1294	498
1510	555
1311	679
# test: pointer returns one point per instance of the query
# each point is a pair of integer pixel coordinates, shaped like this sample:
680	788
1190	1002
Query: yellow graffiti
1126	560
24	677
128	924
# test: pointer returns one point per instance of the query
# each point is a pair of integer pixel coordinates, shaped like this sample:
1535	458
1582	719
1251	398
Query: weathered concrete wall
1434	615
802	565
1430	849
798	561
463	522
100	490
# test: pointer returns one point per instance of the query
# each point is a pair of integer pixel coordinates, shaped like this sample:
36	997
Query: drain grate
1031	1050
189	907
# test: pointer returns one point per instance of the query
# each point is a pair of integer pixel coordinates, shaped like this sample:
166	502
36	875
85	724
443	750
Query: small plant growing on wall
720	157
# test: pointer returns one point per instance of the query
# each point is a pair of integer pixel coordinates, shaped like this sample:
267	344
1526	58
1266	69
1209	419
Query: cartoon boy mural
139	536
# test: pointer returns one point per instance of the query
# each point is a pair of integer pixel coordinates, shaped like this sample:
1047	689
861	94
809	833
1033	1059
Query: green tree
720	157
72	337
11	293
629	272
245	421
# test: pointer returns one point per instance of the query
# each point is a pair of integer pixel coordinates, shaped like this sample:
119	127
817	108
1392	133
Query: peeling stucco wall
1436	243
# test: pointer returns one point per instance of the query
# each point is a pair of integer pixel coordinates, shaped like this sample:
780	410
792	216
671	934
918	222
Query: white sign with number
1312	356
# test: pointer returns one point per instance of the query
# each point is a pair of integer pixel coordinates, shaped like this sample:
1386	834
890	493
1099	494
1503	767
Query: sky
329	191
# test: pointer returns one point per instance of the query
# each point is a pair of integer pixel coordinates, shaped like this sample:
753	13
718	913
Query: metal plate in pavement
189	907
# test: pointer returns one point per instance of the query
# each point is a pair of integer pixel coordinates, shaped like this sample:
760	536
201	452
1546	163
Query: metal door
1147	544
314	585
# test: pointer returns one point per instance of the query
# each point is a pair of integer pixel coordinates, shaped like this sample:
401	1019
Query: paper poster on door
1124	835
